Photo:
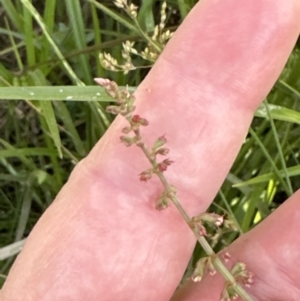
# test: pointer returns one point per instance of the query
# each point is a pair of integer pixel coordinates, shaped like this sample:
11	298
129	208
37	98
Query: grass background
45	131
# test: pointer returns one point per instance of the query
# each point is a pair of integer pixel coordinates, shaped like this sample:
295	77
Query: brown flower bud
139	120
126	130
162	203
113	110
146	175
136	118
162	151
162	166
128	141
199	269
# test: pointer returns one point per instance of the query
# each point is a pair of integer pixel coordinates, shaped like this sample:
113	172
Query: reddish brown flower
162	166
139	120
136	118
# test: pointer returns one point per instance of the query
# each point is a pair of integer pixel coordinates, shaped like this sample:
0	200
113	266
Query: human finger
102	235
271	251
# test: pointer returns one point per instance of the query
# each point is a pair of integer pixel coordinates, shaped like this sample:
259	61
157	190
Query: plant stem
220	267
157	47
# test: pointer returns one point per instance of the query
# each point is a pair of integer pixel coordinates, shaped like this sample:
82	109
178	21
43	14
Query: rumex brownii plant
238	276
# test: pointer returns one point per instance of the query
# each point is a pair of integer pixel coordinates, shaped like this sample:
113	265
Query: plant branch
201	239
125	107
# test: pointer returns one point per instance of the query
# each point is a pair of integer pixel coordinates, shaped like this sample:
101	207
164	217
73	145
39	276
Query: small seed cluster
155	42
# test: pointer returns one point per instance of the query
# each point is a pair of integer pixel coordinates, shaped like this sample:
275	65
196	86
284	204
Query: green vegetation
45	131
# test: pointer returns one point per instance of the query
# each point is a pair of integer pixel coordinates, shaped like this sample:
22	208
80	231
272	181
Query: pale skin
102	239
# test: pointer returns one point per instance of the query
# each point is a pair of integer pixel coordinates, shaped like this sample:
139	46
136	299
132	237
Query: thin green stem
273	127
269	158
146	37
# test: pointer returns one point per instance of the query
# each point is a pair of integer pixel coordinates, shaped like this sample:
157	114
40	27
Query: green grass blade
291	171
145	15
11	249
274	130
25	208
183	8
269	158
78	29
49	20
39	20
9	149
48	112
285	87
278	113
27	151
29	37
49	14
98	39
15	48
13	14
228	208
45	93
66	118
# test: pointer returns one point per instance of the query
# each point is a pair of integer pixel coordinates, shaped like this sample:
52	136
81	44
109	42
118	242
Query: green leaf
11	249
28	151
291	171
145	15
279	113
78	29
285	87
71	93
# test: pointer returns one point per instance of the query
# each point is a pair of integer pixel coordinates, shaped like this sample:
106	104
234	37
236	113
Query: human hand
102	239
